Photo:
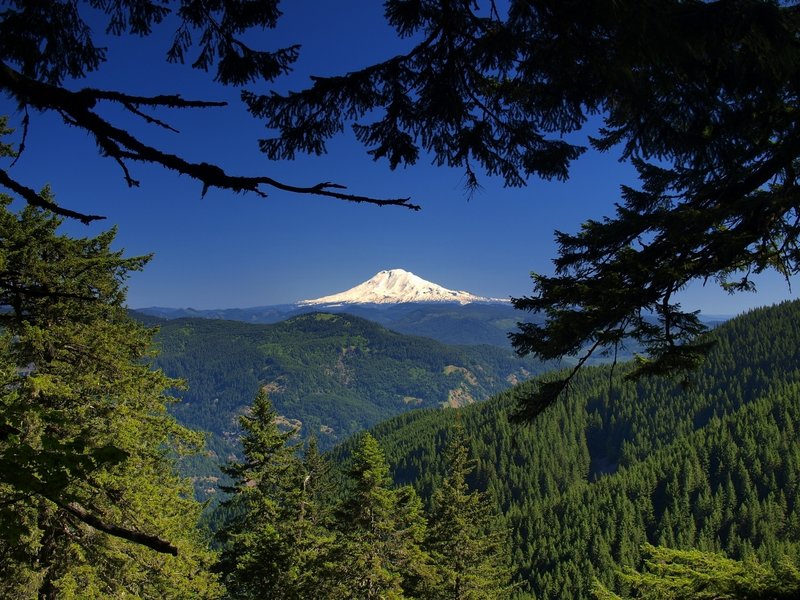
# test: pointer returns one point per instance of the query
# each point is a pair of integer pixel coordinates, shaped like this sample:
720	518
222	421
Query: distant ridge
395	286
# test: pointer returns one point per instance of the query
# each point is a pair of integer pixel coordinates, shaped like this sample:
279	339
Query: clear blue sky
228	250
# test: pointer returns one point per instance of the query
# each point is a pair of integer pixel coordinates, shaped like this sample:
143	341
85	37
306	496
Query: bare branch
26	121
34	199
132	108
119	144
126	173
164	100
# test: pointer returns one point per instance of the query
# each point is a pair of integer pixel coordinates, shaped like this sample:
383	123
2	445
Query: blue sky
228	250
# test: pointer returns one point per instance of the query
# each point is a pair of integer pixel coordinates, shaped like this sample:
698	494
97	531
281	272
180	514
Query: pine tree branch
151	541
77	108
26	120
548	391
34	199
164	100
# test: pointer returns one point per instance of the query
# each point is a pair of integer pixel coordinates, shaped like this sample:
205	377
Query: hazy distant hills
449	323
257	314
332	374
396	299
714	466
399	301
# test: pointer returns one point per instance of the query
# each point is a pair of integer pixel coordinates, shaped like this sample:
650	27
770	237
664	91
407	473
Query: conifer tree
313	537
468	546
90	506
317	489
259	557
378	552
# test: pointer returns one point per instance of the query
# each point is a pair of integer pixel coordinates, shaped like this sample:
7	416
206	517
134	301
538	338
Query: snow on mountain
395	286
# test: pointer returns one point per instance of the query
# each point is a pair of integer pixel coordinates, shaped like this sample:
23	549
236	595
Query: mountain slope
716	466
333	374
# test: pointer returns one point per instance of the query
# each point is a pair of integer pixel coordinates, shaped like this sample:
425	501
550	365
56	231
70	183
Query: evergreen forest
711	464
358	462
330	374
653	488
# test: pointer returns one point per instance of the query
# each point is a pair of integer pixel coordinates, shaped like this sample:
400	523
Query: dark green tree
312	529
469	548
259	557
714	467
90	505
378	553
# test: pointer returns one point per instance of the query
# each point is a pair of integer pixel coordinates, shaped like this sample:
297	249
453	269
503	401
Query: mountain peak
394	286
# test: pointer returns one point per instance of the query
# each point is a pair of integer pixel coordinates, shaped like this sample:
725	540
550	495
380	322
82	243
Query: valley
332	374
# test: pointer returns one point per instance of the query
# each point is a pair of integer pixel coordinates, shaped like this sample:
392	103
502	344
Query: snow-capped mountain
395	286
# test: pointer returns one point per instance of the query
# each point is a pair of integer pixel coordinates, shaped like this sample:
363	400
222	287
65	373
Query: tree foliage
89	502
380	533
46	47
695	575
293	531
714	468
259	556
467	542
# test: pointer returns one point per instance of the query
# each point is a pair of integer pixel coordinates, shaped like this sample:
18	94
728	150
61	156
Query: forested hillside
331	374
715	466
449	323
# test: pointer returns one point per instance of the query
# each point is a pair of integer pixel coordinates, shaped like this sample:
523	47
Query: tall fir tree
259	555
90	506
468	545
313	536
378	553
